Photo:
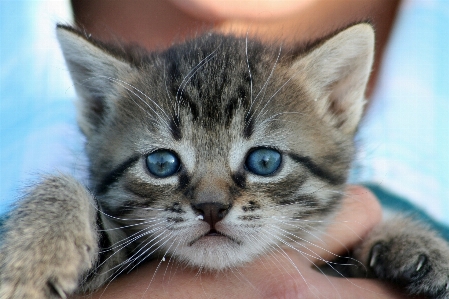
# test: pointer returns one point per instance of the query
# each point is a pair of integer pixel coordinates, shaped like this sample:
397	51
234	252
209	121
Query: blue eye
163	163
263	161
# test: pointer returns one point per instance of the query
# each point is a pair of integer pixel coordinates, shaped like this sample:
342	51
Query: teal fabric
393	202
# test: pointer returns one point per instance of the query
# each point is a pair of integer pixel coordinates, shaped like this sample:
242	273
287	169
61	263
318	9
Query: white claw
373	261
374	256
60	292
421	261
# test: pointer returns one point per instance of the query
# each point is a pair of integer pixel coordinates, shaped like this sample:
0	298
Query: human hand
279	274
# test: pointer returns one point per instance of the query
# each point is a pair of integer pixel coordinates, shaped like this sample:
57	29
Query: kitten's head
220	148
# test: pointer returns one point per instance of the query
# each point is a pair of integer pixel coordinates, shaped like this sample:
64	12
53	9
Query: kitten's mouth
215	234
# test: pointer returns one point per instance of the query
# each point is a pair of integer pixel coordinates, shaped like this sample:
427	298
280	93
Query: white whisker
193	72
249	70
143	94
172	103
160	118
305	255
263	87
158	265
150	220
134	260
263	110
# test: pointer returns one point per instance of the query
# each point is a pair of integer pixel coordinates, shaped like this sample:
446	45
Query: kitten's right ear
94	72
336	72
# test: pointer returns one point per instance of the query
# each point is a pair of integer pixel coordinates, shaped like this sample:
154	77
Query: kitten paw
419	271
49	242
408	254
44	275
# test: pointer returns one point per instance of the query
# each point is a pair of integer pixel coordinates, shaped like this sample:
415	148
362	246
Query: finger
360	212
302	281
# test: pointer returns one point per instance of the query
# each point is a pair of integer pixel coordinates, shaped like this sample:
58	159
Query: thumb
359	213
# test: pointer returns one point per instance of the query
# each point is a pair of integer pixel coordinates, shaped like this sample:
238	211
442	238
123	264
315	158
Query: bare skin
156	24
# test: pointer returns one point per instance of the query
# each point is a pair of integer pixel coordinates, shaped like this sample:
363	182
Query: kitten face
219	149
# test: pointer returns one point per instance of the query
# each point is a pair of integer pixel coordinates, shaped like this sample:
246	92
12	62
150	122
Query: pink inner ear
336	74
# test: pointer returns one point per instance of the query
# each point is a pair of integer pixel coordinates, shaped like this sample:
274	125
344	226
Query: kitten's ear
93	70
336	73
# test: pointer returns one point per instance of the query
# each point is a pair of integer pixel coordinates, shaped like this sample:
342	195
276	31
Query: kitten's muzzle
212	213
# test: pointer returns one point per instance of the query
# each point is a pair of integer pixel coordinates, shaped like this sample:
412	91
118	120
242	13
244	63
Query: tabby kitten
212	152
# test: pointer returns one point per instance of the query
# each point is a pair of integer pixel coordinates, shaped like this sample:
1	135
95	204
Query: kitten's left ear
95	72
336	73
